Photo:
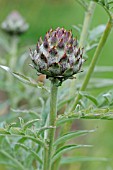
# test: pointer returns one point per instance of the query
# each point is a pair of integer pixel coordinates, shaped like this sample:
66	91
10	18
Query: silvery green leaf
70	160
33	153
32	112
71	135
41	130
24	79
90	97
15	133
66	148
78	29
97	114
15	162
90	47
30	123
96	32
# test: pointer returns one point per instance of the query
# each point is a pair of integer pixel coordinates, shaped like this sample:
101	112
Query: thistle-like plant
12	29
59	58
14	24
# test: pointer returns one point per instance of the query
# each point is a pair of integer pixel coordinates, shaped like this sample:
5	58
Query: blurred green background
43	14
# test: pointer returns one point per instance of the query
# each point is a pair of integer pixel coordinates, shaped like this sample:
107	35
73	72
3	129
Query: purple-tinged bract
57	56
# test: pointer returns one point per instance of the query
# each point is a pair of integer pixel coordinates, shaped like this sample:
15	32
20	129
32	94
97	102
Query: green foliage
66	148
24	144
71	160
107	5
23	78
71	135
27	139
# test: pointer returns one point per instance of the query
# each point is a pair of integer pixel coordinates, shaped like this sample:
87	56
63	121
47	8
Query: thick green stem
84	34
94	60
45	158
52	121
86	24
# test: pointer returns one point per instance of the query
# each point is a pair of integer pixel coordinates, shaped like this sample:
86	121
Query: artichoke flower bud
57	56
14	24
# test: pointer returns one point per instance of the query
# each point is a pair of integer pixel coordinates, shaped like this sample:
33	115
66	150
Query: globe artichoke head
57	56
14	24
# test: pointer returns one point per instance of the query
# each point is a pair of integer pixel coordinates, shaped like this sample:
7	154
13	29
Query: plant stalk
94	60
13	62
13	52
87	23
84	34
85	30
52	122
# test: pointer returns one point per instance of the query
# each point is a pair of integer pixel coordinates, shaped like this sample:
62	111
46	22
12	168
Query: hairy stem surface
52	121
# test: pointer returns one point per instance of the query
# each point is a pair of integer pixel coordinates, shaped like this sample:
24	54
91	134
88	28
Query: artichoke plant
14	24
57	56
